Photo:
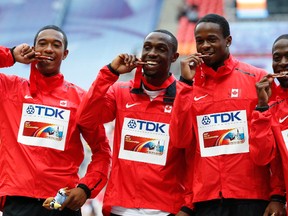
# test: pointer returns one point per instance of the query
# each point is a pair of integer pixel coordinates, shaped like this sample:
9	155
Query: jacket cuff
278	198
188	82
86	190
113	70
262	108
188	210
12	53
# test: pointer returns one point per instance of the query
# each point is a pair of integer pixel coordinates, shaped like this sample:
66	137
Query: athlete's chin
150	73
283	83
209	63
48	73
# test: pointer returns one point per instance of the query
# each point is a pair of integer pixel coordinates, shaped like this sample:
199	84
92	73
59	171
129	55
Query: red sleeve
181	129
97	171
90	119
181	135
188	178
264	151
99	97
277	181
262	145
276	165
6	58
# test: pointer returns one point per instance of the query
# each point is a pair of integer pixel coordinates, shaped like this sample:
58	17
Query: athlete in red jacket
41	149
269	123
214	114
147	171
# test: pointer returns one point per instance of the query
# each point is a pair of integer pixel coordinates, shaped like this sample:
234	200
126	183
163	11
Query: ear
228	41
65	54
175	57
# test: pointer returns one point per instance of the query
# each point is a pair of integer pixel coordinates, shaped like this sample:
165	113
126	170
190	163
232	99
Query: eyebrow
54	40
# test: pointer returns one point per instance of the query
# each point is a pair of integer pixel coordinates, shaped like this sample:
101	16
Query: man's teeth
151	63
281	74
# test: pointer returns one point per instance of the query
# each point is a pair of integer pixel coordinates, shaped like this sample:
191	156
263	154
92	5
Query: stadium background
99	30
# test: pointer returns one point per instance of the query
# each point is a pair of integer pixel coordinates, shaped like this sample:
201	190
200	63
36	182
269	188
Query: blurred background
99	30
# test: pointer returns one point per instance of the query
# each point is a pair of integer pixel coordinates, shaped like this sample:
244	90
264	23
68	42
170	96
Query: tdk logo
146	126
30	109
221	118
45	111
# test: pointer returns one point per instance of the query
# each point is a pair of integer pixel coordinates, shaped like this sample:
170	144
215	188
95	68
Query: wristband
262	108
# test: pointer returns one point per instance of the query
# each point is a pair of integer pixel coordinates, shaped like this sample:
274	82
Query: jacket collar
204	72
39	82
169	85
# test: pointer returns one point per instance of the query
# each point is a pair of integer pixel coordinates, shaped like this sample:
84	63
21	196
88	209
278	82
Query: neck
155	81
153	85
219	64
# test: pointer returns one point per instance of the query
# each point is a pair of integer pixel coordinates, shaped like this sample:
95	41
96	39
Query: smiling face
50	42
158	51
280	60
211	41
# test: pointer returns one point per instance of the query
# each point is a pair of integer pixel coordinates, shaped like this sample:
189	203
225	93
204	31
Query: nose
205	45
49	48
284	61
152	52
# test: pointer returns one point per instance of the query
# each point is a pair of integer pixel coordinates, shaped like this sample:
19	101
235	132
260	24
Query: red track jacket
215	116
40	145
147	172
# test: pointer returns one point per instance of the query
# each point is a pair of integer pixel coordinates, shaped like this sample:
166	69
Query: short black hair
283	36
56	28
220	20
174	41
